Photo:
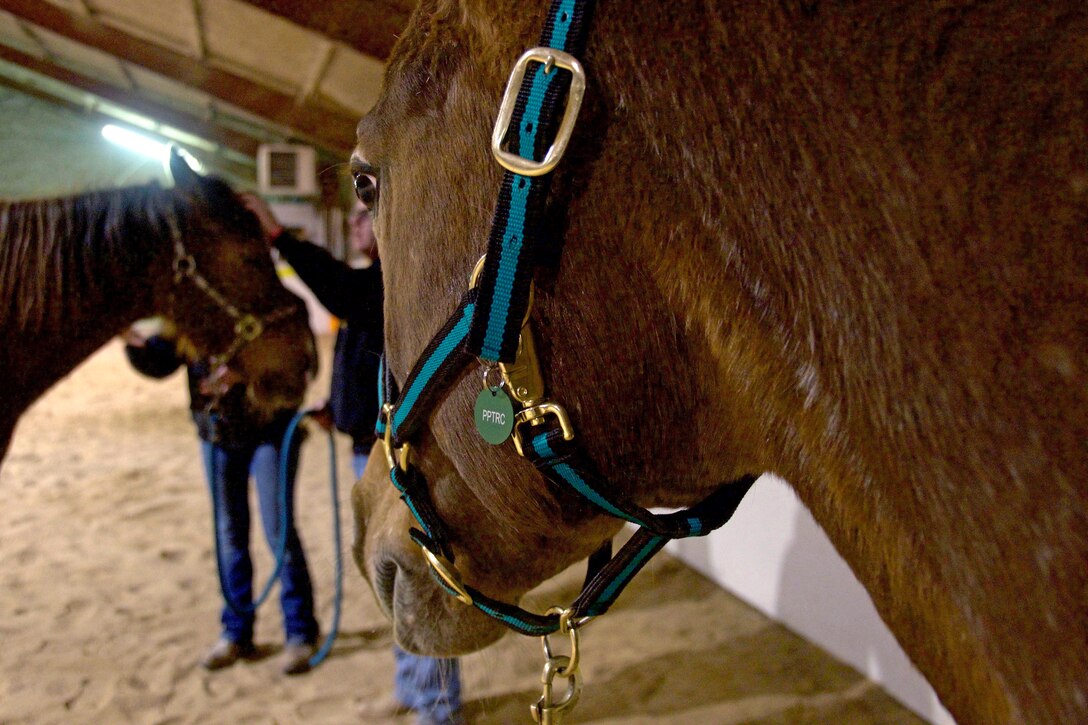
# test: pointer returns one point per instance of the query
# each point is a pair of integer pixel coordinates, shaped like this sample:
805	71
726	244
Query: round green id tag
494	416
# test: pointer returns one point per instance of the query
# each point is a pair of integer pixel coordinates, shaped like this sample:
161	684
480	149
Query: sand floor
108	597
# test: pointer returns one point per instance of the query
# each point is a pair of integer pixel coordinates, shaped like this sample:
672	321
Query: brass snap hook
549	710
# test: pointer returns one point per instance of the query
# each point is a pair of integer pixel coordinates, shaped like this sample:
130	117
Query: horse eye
366	188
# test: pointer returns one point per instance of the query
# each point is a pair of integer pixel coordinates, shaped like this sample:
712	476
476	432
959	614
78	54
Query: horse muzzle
426	619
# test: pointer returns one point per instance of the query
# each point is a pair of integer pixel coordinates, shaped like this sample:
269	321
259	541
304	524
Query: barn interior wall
774	555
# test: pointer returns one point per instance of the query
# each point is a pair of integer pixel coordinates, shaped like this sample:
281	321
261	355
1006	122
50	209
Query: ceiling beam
321	123
200	45
317	71
210	131
369	26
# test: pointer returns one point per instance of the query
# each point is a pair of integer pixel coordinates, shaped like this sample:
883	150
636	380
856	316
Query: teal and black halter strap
486	325
442	362
511	250
562	463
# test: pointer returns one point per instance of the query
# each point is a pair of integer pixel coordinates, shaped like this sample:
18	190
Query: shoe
382	709
224	653
296	657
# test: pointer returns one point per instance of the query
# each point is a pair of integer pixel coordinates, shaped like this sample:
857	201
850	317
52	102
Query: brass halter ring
184	265
247	327
446	571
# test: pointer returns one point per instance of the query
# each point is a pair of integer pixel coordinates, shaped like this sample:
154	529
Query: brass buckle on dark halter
551	58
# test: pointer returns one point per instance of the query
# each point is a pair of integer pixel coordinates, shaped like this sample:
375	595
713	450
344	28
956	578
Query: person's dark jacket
355	297
228	422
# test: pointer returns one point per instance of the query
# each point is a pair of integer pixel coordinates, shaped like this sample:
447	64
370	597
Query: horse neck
813	210
75	272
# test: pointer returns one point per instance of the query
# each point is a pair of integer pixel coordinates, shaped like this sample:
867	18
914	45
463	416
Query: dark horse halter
492	324
247	326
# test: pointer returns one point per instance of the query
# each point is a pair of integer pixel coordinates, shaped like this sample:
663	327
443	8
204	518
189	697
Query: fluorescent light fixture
145	145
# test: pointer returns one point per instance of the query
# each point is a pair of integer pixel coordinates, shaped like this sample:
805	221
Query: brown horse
843	242
76	271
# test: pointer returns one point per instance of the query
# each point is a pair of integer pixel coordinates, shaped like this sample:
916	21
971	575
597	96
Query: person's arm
350	294
354	295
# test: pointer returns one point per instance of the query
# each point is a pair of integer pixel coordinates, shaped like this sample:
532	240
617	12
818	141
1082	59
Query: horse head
613	349
225	297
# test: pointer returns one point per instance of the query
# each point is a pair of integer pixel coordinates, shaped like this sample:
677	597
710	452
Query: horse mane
55	252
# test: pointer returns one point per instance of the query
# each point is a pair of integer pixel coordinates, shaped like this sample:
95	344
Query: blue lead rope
334	627
281	543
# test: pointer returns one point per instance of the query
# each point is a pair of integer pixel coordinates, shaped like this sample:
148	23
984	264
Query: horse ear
184	176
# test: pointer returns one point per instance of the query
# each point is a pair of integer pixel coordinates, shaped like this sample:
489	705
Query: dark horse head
75	271
231	306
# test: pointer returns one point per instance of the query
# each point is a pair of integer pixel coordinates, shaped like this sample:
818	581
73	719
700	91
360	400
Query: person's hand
138	333
322	415
269	225
133	338
219	381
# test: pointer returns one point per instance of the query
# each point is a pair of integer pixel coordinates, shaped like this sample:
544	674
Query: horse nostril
385	583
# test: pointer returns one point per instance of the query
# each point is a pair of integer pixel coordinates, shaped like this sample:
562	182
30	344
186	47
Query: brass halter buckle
550	57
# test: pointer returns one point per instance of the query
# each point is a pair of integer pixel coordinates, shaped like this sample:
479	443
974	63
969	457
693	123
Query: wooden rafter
317	71
369	26
332	128
200	45
183	122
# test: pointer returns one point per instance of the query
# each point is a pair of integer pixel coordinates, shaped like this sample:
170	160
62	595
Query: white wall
774	555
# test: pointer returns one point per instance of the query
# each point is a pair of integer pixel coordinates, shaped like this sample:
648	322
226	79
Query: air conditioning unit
286	170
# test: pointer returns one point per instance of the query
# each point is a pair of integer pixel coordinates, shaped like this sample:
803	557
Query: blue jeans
430	686
230	495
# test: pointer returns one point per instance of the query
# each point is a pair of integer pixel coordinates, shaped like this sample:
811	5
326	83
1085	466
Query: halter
247	326
492	324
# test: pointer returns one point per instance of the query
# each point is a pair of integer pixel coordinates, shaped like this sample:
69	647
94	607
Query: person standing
430	687
237	446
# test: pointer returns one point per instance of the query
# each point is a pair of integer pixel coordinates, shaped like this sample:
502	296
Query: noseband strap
489	325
